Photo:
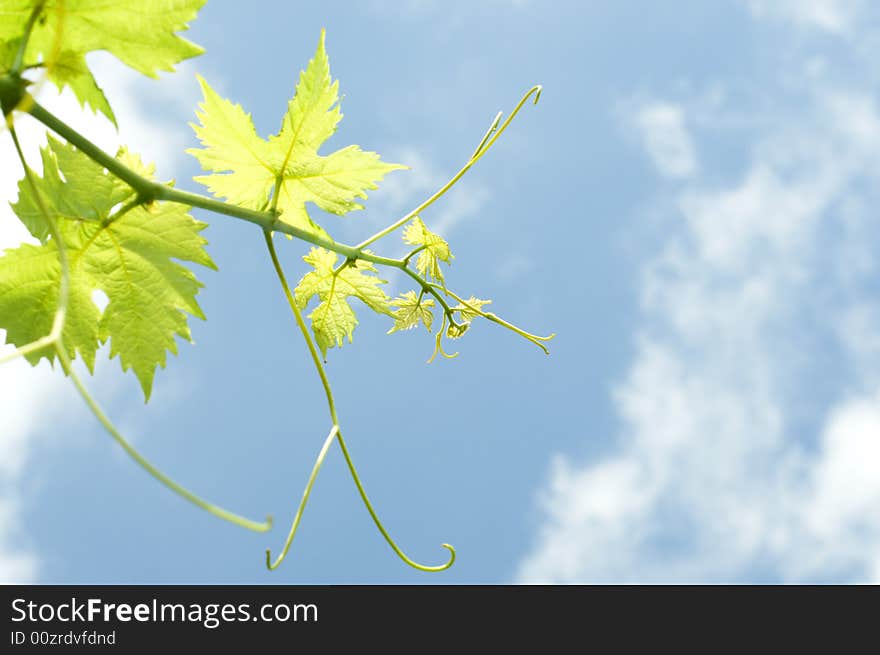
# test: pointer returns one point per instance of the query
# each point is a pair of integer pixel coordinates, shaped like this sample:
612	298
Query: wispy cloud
836	16
749	417
666	139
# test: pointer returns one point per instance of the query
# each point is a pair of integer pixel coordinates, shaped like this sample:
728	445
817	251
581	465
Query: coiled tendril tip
537	89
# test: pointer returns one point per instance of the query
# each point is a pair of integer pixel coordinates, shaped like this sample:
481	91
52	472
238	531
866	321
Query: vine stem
18	62
301	324
149	190
335	433
27	349
49	62
55	339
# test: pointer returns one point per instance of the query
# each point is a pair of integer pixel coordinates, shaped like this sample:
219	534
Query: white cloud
846	485
835	16
663	132
35	401
750	417
17	566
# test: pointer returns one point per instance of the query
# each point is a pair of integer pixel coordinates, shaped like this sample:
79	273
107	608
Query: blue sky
690	208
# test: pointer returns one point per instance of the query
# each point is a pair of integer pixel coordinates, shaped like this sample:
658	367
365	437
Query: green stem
149	468
481	150
142	185
489	133
268	220
122	211
534	91
18	62
303	328
276	192
29	348
334	432
415	252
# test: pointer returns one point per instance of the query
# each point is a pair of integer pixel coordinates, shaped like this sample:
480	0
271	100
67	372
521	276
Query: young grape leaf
128	255
231	144
466	311
249	171
140	33
457	331
333	319
435	249
410	310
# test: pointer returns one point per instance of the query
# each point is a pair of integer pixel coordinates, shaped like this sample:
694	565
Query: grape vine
104	222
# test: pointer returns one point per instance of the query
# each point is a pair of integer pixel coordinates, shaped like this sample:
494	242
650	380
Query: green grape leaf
231	144
286	169
29	284
410	310
140	33
128	255
333	319
435	249
466	312
457	331
70	69
90	196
